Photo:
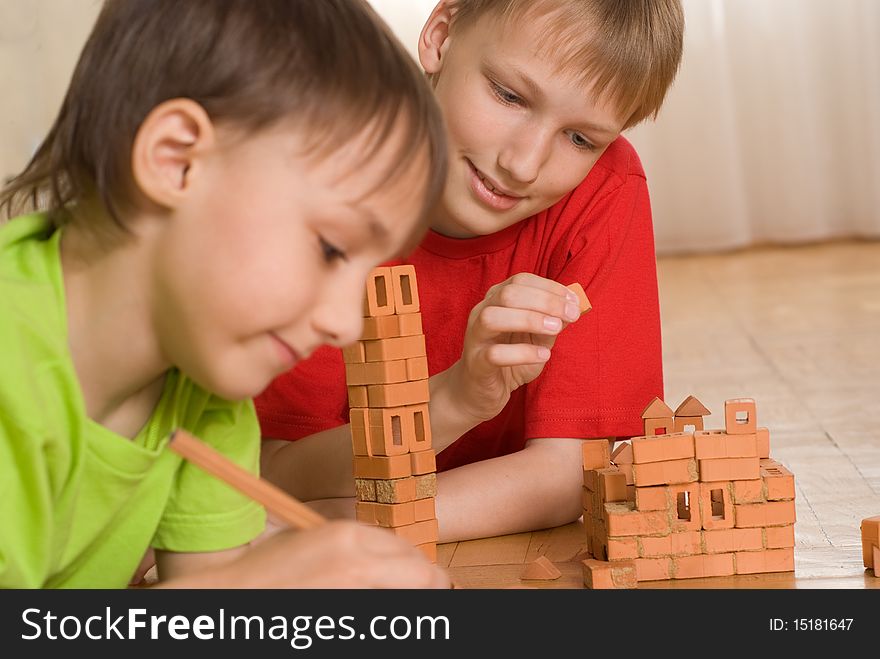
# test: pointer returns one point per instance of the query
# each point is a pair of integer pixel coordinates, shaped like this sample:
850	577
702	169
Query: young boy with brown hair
542	191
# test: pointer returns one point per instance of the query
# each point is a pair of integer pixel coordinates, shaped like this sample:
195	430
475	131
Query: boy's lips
489	192
289	356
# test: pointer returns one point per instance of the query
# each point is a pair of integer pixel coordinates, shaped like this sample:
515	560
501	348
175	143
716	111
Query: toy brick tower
680	505
387	377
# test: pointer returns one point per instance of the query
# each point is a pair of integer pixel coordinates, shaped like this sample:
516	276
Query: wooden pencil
277	501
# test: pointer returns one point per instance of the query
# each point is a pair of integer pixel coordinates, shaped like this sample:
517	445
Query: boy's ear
167	149
434	39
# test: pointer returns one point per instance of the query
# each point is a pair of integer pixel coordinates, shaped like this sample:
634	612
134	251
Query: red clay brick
716	506
702	565
870	528
750	491
617	549
381	467
763	442
627	471
778	537
423	462
770	560
354	354
709	444
731	540
597	453
623	574
735	406
778	481
410	324
380	327
385	514
360	438
424	509
612	485
653	569
665	473
376	372
685	507
652	498
622	519
623	454
730	469
402	347
357	396
405	289
662	448
674	544
868	554
416	368
772	513
419	533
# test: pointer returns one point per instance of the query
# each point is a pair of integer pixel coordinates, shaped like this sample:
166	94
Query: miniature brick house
686	504
387	377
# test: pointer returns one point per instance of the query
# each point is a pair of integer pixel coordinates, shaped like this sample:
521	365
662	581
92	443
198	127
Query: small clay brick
674	544
762	439
623	574
398	395
426	486
777	537
587	499
386	514
622	519
710	444
662	448
612	485
716	506
652	498
583	300
597	453
405	288
618	549
357	397
623	454
653	569
591	479
685	507
354	354
390	431
875	559
382	467
665	473
588	531
687	423
868	554
424	509
627	471
740	417
429	549
725	541
379	300
772	513
360	437
730	469
631	493
376	372
597	574
365	489
409	324
870	528
542	568
419	533
423	462
417	368
387	350
770	560
778	481
703	565
748	491
380	327
398	490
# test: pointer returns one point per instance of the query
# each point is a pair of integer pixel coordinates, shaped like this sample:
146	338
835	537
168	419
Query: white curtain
771	133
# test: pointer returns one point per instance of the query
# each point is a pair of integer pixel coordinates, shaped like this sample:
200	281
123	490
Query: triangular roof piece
691	406
623	454
541	568
657	409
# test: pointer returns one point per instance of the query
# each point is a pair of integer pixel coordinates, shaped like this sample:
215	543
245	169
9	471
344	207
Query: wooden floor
798	330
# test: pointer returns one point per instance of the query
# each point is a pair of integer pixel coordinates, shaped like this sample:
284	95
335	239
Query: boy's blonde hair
630	50
331	67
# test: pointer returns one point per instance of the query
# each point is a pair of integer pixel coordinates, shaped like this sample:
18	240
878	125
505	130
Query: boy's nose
523	157
340	318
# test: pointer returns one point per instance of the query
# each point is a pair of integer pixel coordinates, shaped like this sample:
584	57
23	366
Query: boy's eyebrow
539	94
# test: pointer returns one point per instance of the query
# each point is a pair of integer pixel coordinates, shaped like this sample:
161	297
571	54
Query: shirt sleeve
607	366
204	513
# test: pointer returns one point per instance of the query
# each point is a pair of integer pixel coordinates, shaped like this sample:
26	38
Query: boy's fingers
517	354
517	296
494	320
535	281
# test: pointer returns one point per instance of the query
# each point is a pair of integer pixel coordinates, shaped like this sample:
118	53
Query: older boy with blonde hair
542	191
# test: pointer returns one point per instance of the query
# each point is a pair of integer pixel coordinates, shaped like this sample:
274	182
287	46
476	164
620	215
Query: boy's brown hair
630	50
332	67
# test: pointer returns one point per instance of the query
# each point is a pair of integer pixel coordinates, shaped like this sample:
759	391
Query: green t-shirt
79	504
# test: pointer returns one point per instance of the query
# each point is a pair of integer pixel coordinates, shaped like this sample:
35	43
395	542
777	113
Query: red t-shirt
604	369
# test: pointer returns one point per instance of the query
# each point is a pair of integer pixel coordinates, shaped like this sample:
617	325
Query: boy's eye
331	252
505	95
580	141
